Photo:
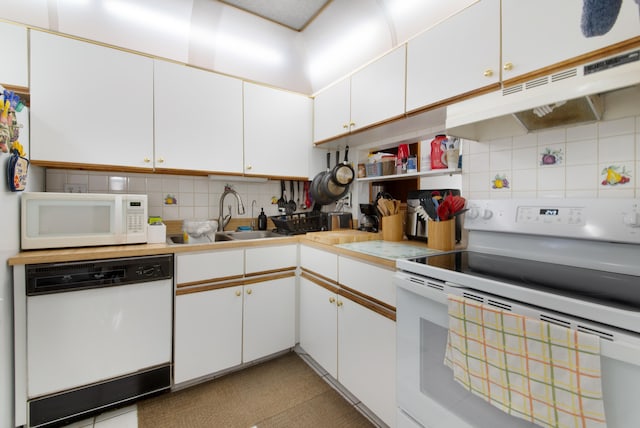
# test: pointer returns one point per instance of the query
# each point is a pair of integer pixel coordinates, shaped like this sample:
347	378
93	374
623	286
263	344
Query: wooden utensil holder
392	229
441	235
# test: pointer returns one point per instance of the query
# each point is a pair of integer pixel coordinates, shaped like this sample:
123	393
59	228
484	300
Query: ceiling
294	14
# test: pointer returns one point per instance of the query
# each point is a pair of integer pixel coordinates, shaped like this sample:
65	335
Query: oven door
427	394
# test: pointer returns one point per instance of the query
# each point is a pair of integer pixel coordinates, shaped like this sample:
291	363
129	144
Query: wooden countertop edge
135	250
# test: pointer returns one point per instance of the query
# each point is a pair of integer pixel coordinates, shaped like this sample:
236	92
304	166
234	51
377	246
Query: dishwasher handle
47	278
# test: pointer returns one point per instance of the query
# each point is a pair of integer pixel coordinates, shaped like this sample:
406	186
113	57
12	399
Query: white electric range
574	263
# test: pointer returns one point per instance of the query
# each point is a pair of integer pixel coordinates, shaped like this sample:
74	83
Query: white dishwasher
91	335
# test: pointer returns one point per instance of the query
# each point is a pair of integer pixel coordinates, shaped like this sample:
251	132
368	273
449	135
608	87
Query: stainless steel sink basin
227	236
251	234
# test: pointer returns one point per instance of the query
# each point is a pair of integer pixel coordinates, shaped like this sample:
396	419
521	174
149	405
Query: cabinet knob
332	300
249	167
508	66
488	72
339	303
345	126
160	160
146	160
238	293
249	291
352	124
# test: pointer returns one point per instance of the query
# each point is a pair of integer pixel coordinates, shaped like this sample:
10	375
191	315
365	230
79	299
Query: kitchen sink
226	236
251	234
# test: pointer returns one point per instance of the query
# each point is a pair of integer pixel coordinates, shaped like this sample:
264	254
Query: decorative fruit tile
500	181
551	156
615	175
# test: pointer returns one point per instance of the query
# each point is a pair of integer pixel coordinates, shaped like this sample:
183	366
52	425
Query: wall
196	197
582	155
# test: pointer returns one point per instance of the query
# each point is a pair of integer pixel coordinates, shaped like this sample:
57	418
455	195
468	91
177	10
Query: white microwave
56	220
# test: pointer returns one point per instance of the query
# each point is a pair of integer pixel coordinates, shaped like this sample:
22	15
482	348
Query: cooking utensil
343	174
282	202
307	198
298	198
292	203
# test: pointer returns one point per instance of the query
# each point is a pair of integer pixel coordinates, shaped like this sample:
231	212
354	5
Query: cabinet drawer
266	259
194	267
321	262
367	279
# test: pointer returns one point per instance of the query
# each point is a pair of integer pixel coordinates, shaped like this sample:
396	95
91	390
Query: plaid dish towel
534	370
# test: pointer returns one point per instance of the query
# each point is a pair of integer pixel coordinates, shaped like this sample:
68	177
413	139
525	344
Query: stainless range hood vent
569	97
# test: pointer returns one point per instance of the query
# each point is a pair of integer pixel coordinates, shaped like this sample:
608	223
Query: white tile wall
586	151
197	197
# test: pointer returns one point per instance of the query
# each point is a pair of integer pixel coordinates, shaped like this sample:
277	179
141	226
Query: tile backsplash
173	197
597	160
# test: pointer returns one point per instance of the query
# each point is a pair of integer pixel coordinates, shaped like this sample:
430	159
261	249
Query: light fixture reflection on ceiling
148	17
342	49
166	23
399	8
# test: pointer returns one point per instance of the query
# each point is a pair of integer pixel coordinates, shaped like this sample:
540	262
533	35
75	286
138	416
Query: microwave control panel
136	214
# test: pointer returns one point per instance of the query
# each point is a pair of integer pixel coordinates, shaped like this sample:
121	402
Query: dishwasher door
81	337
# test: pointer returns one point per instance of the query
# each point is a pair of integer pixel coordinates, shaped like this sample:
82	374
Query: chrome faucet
223	220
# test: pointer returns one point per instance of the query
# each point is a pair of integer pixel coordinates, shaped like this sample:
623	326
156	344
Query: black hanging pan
320	198
343	174
330	189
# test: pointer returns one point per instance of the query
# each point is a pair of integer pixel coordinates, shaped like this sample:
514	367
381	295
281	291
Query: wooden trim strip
269	277
210	280
319	282
368	304
367	297
91	167
269	272
208	287
576	61
317	275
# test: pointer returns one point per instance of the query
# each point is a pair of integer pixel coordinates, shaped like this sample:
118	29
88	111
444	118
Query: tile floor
127	417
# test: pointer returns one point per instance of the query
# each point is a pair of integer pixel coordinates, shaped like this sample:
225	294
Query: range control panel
601	219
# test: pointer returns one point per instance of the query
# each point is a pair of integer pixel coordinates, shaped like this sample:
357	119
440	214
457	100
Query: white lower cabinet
208	332
353	343
367	357
269	317
319	322
224	319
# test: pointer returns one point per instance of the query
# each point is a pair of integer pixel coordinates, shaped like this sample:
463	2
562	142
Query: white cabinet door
530	29
277	132
266	259
208	332
456	56
367	358
323	263
319	324
15	53
209	265
377	91
198	119
367	279
269	317
90	104
332	111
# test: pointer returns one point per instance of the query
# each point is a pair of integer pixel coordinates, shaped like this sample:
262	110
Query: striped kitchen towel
534	370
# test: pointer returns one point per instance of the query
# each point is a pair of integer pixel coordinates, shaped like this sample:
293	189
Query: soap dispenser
262	220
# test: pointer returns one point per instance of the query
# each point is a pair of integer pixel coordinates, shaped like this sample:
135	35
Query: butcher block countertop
354	243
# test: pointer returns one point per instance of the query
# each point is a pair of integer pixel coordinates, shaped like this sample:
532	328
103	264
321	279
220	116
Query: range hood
582	94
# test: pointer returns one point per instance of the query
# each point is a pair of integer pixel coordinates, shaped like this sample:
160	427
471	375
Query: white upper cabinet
14	51
537	34
90	104
277	132
377	91
198	119
372	95
332	111
458	55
